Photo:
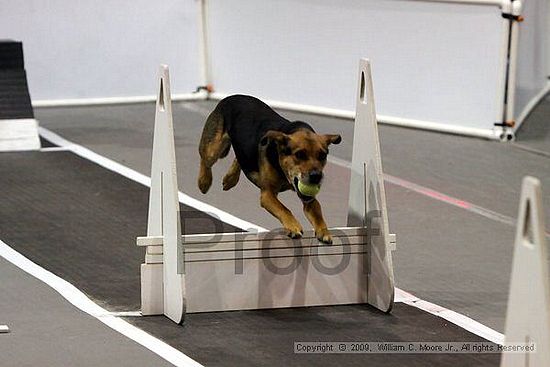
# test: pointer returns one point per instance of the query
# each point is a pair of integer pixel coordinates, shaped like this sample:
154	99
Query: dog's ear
278	137
332	139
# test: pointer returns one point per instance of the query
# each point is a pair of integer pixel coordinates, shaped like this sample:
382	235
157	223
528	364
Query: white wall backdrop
432	61
533	67
436	62
91	48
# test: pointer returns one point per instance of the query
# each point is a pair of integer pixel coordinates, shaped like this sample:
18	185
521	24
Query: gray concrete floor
445	255
46	330
534	133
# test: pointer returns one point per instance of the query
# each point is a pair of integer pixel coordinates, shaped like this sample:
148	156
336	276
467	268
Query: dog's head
302	155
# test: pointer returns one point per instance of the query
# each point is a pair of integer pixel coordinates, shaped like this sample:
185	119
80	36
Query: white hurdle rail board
259	270
528	314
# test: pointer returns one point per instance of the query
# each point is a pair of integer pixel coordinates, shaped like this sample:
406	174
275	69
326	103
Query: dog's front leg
312	210
271	203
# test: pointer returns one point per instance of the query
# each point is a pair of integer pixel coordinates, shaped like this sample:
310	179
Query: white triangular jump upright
367	197
528	314
164	213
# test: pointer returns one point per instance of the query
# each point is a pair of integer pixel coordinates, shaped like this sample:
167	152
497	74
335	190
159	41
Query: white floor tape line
82	302
54	149
401	296
122	314
454	317
144	180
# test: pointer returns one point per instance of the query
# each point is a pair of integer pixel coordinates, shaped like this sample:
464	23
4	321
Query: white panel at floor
94	49
437	62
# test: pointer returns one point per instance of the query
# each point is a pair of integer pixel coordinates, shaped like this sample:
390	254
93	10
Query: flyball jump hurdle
244	271
528	314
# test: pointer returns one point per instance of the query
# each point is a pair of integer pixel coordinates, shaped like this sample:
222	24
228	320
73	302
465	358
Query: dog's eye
286	151
322	156
301	155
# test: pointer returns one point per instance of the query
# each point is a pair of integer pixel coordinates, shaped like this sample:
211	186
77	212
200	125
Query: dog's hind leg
214	144
232	176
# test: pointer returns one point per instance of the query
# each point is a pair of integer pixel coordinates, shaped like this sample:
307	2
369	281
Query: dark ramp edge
80	221
15	101
266	338
11	54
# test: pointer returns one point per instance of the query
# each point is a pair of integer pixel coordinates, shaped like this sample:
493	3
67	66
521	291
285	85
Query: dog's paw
324	236
294	231
295	235
204	185
204	182
229	181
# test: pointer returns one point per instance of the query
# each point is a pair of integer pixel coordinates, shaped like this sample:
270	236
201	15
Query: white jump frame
528	314
251	270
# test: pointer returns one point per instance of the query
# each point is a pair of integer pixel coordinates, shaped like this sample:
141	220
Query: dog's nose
315	177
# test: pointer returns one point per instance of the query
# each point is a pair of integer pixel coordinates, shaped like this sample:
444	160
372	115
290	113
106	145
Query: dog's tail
214	139
214	144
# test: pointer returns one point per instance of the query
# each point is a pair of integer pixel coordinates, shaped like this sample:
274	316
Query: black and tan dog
274	153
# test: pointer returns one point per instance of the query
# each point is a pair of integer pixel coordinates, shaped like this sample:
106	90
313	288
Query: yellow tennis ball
308	190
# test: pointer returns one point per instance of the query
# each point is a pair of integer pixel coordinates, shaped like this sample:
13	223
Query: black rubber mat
266	338
80	221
